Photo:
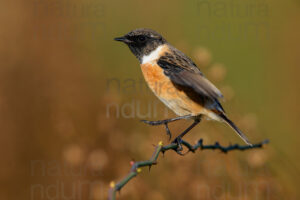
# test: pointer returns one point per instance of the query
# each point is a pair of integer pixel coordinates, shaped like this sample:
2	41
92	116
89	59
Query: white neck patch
154	55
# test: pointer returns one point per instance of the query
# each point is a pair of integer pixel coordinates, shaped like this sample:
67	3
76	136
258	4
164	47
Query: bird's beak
123	39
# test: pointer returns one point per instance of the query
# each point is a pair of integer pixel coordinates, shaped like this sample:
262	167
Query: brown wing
186	76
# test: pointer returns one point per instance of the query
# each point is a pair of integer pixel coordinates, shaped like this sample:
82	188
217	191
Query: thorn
150	167
154	145
112	184
200	142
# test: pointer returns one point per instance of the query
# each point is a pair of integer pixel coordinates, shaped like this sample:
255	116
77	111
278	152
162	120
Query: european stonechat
176	81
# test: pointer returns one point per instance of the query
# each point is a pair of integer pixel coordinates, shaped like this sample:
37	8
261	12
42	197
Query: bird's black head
142	41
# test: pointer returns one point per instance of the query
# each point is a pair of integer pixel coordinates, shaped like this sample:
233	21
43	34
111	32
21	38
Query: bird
177	81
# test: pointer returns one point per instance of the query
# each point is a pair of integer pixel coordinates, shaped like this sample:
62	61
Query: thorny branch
136	166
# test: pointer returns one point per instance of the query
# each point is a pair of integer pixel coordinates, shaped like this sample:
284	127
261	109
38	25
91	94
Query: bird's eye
141	38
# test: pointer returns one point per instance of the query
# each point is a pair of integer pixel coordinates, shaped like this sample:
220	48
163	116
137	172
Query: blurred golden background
71	99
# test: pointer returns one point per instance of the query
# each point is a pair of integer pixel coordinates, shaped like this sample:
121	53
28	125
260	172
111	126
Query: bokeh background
71	99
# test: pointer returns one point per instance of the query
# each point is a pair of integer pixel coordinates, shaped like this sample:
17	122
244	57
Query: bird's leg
165	122
178	139
160	122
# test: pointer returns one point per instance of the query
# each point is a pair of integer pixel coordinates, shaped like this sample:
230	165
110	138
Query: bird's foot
178	141
156	123
165	122
160	122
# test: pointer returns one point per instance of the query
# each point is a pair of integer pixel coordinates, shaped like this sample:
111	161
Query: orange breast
164	89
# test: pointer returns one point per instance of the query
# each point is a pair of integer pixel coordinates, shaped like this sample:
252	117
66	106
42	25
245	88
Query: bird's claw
153	123
178	141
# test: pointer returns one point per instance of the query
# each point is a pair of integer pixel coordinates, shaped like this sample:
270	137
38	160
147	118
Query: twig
136	166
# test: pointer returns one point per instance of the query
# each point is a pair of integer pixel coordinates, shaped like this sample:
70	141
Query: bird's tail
235	128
